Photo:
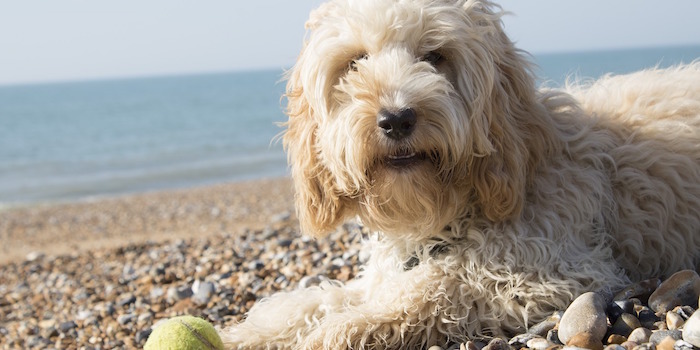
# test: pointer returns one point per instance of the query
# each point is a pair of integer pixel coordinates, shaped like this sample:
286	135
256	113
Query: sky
42	41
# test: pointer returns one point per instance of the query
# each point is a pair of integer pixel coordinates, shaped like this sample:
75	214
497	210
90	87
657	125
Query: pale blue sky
88	39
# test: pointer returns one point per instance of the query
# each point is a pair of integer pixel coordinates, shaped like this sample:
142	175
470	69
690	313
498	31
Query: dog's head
410	113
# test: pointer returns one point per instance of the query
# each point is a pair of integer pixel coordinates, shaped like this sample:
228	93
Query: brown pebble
616	339
585	340
682	288
629	345
674	320
666	344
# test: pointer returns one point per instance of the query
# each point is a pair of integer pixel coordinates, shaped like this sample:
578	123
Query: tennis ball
184	333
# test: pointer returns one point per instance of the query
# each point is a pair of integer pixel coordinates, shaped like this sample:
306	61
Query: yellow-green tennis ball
184	333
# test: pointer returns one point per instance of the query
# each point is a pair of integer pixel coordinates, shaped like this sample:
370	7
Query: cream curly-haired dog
495	203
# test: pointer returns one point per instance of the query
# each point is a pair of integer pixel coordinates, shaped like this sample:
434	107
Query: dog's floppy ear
508	136
320	208
499	176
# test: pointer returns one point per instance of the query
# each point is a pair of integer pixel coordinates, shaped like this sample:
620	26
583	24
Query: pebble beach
101	274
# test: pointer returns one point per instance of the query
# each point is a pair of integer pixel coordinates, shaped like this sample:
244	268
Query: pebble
629	345
682	288
585	314
177	293
691	329
65	327
619	307
683	345
545	326
126	318
616	339
309	281
674	320
614	347
538	344
647	318
641	290
497	344
202	292
657	337
625	324
640	335
666	343
585	340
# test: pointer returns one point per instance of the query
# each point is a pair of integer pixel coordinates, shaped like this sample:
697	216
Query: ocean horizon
70	141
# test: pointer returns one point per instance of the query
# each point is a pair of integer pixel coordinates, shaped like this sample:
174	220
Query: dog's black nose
397	125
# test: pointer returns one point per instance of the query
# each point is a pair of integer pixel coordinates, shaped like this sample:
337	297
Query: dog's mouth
405	158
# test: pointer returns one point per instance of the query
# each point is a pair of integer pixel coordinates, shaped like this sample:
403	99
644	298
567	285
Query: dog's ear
320	207
507	130
499	173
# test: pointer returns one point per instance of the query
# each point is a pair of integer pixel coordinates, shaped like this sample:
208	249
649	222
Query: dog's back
652	120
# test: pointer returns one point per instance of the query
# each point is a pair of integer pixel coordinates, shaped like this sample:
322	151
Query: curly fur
526	198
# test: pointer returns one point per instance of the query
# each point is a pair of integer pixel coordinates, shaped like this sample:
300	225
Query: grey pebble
126	300
585	314
309	281
65	327
658	336
640	335
545	326
522	339
145	317
175	294
125	318
204	293
553	336
142	335
256	265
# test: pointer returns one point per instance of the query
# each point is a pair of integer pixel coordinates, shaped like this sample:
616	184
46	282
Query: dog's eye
433	58
353	64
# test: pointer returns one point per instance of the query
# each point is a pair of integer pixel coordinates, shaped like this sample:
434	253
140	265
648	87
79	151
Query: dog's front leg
374	311
385	311
283	319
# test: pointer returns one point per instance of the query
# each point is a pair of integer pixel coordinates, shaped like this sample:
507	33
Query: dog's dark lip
405	159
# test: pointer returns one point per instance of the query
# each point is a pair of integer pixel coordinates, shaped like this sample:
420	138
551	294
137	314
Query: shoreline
73	227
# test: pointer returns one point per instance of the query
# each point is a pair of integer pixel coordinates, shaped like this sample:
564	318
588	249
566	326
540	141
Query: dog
495	203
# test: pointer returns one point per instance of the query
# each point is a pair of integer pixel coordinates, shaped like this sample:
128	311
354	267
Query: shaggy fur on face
494	203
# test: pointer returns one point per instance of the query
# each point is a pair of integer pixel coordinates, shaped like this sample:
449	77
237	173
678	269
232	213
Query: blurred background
115	97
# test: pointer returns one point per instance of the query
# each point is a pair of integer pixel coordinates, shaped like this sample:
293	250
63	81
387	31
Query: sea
73	141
